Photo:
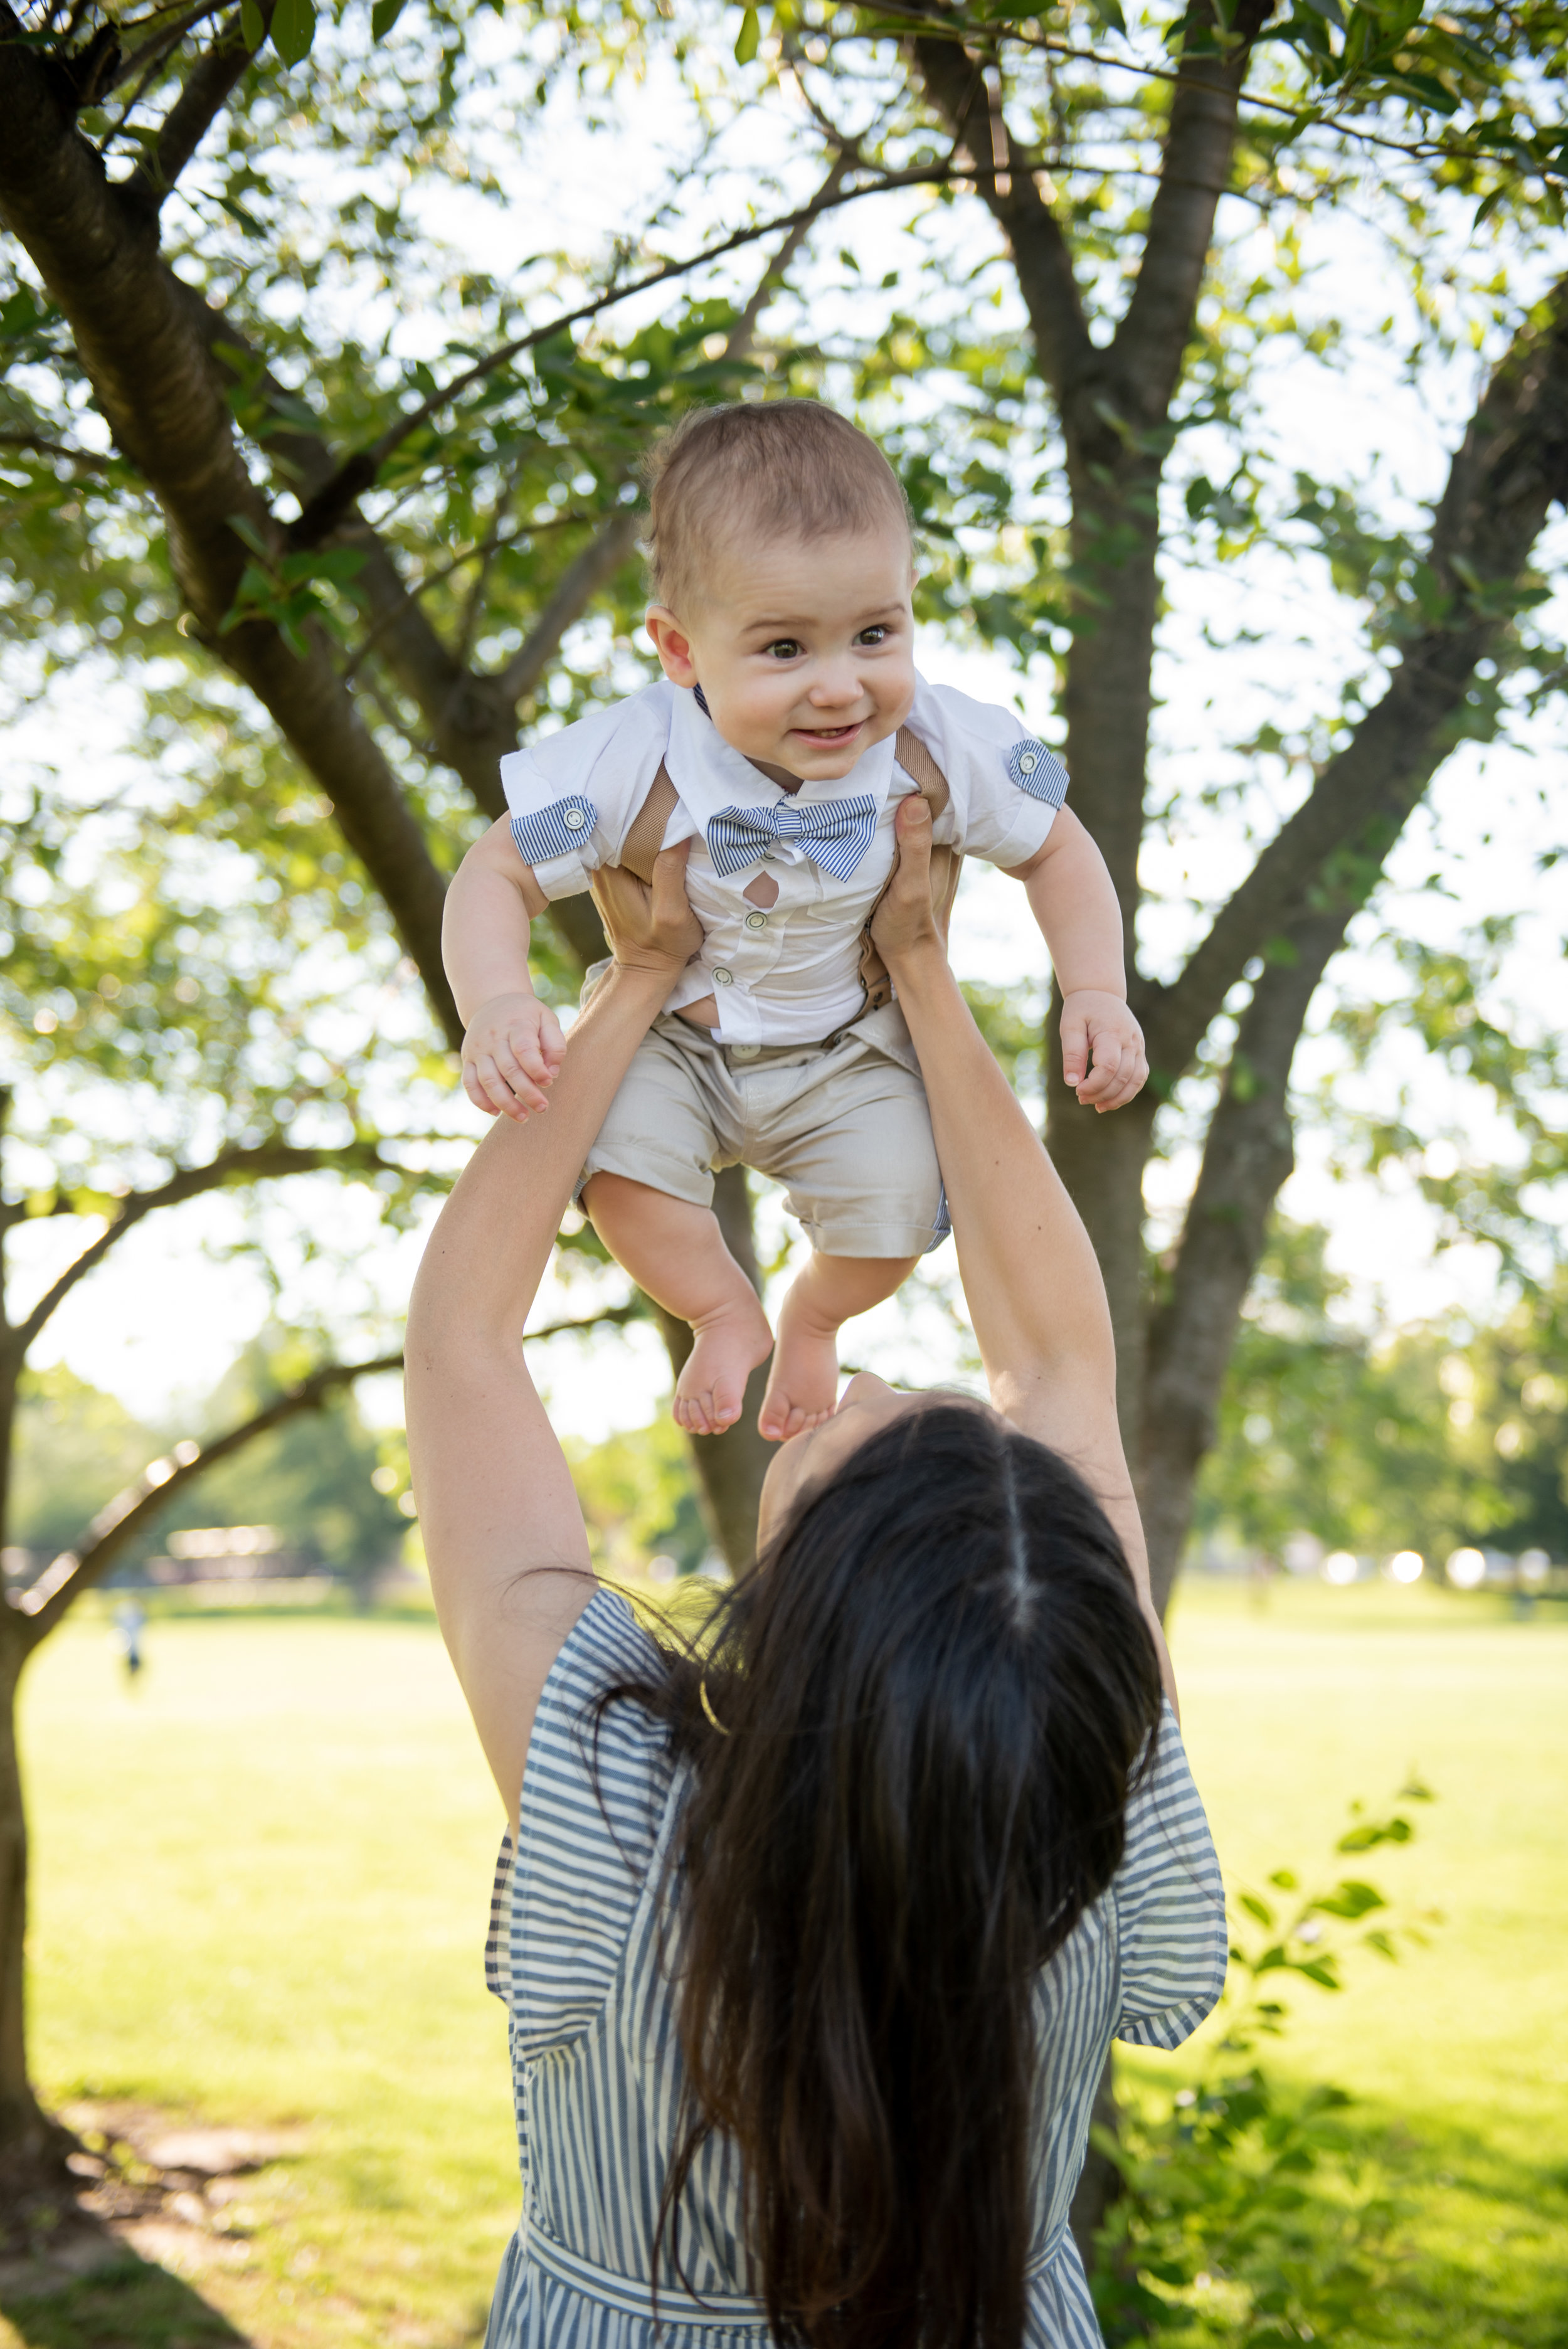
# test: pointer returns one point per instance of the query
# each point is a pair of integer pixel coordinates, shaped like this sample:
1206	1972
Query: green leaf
1487	206
746	39
1283	1880
236	211
1351	1900
294	29
1256	1907
1109	15
252	30
383	16
245	529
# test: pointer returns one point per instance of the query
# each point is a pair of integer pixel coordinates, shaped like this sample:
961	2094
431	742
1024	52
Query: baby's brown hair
780	468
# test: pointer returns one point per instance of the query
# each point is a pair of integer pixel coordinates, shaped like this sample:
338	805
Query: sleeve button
724	979
574	819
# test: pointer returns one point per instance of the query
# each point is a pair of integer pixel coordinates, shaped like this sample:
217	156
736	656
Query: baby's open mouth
829	733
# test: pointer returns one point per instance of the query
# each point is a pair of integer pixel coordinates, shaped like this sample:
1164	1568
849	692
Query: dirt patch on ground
169	2190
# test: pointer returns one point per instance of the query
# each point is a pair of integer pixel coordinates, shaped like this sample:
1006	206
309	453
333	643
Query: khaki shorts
846	1130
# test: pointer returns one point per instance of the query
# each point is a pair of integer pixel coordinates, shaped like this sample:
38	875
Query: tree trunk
32	2146
1101	1161
730	1467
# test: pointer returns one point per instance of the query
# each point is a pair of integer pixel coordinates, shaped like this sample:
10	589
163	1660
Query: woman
813	1951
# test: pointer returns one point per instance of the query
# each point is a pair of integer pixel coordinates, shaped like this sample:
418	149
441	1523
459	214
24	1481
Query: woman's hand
649	929
904	923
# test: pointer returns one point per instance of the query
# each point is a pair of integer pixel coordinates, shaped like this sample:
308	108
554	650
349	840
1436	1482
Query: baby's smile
829	733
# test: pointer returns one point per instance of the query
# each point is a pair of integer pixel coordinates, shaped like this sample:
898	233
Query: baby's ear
672	645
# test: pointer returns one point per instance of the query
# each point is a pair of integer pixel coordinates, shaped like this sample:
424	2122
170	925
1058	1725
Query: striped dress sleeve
1170	1905
594	1791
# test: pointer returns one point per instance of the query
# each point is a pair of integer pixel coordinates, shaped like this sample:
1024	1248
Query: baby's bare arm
513	1046
1075	903
485	928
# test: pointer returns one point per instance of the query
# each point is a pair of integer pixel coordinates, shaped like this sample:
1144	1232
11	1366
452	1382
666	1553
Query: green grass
262	1880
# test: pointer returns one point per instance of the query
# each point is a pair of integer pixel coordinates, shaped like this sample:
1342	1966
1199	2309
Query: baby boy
789	723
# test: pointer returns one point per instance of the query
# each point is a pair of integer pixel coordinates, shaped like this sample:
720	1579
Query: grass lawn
261	1879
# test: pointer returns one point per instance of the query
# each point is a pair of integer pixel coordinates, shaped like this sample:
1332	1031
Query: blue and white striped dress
574	1953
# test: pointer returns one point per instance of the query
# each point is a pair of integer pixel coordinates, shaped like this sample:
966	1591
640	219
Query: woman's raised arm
1030	1278
503	1533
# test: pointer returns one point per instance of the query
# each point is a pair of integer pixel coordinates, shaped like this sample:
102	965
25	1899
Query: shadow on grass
128	2303
1487	2238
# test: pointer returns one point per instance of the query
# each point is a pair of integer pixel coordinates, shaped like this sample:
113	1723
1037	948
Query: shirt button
1028	763
724	979
744	1051
574	819
757	921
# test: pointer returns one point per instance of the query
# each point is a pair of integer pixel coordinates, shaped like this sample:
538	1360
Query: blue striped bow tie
835	835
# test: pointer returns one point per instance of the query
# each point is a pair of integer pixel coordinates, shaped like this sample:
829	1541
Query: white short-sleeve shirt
787	973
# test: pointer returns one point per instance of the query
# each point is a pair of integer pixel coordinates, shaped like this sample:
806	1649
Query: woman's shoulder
1169	1900
589	1743
596	1788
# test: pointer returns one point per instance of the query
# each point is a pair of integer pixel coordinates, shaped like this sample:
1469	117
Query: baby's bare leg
804	1383
677	1252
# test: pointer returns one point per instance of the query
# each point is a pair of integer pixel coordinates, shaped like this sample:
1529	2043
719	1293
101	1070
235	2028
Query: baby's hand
1100	1027
512	1050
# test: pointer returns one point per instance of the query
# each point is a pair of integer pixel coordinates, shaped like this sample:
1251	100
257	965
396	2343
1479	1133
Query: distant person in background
813	1943
128	1624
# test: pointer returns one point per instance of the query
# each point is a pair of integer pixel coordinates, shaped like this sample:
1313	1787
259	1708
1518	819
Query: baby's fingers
1103	1078
1130	1084
505	1086
552	1042
475	1092
525	1053
1074	1051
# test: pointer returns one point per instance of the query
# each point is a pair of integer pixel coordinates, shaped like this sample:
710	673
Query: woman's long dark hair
934	1691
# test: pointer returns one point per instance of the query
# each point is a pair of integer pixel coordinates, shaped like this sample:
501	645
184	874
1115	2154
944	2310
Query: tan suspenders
645	838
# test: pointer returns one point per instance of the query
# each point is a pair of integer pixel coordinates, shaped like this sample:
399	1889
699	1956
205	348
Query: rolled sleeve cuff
563	876
1026	835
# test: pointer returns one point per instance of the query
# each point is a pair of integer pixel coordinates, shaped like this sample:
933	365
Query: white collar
711	775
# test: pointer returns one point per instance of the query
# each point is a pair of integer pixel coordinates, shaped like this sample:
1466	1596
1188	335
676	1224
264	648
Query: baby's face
804	650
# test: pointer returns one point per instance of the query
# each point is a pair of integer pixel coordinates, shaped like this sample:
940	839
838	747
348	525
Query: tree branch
1510	468
121	1520
209	86
264	1161
1004	178
1151	341
1247	1154
578	584
164	401
356	473
743	333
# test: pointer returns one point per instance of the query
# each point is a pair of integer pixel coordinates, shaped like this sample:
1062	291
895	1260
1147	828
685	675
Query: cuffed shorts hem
870	1239
639	1162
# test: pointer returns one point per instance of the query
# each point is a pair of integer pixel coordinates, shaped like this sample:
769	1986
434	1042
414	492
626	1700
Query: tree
32	2147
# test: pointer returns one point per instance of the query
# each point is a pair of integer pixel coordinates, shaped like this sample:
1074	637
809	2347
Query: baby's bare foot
729	1343
804	1385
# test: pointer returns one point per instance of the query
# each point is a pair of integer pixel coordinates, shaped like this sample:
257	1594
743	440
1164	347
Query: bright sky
160	1324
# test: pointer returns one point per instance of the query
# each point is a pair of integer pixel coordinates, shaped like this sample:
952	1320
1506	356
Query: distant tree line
1429	1440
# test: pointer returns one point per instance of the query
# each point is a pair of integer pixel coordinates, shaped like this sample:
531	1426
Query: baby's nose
834	682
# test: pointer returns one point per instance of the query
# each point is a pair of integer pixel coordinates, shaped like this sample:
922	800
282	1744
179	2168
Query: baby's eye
785	650
872	636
